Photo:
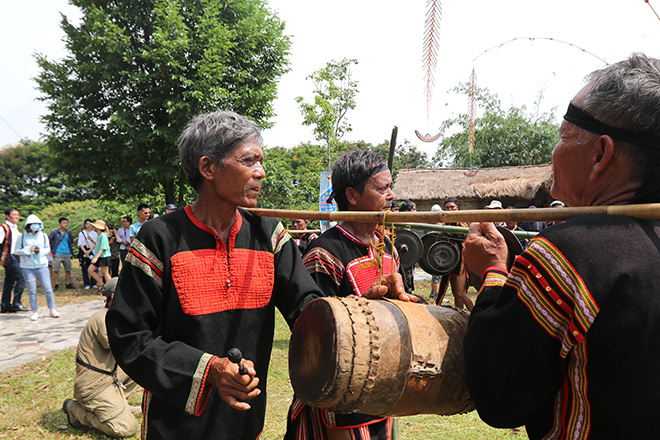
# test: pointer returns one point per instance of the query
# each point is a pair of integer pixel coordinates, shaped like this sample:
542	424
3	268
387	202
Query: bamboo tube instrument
642	211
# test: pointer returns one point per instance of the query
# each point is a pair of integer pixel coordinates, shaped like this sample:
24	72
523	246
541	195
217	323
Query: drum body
380	357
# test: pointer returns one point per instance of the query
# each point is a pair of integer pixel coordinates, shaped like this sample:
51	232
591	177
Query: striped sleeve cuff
493	276
199	392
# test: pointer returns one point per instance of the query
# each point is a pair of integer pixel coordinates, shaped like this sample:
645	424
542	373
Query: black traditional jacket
184	298
568	342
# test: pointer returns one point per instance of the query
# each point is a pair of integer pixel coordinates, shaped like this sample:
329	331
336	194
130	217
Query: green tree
510	137
30	181
334	95
293	175
138	70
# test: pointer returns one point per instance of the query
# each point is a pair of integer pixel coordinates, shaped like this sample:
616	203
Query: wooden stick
647	211
303	231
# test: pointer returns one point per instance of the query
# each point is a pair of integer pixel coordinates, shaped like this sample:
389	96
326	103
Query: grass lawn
31	396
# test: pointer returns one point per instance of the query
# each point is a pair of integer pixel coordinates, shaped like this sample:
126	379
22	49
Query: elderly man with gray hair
201	281
566	341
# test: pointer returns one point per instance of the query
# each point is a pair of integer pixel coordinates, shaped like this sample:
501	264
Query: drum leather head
441	254
409	246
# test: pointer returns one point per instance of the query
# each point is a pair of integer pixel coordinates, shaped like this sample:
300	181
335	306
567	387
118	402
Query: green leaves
138	70
334	96
29	180
502	137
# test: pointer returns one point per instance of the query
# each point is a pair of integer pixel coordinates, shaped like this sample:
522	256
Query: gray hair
627	95
213	135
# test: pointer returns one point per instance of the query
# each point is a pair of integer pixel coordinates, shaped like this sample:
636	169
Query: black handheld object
235	356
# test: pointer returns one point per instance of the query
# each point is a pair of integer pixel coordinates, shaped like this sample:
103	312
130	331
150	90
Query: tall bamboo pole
645	211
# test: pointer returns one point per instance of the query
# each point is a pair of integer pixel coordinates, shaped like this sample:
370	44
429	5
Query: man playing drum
566	342
345	261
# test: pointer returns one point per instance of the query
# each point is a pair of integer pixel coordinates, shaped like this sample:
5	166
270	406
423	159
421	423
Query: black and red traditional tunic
304	240
342	265
568	342
184	299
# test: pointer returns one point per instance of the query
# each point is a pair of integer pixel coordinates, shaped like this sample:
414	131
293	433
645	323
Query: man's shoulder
175	223
331	234
329	240
587	227
264	223
97	320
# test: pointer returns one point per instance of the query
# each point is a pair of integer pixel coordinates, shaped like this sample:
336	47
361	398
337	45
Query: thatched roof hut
515	186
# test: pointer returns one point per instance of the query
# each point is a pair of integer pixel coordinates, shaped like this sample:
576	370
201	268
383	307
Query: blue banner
324	193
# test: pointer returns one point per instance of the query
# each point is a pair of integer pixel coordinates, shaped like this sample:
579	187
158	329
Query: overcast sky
385	36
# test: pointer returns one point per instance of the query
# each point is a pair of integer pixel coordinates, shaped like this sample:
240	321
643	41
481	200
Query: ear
603	158
352	195
206	167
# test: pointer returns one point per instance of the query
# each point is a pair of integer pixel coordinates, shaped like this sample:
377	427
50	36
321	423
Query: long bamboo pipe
645	211
523	235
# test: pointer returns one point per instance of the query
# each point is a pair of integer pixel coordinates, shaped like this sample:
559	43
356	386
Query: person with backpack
61	249
13	275
33	246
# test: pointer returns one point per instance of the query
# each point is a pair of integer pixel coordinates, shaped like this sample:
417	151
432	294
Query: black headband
358	179
575	115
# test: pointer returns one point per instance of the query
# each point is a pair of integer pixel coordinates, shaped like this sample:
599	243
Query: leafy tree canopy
293	175
138	70
29	179
510	137
334	96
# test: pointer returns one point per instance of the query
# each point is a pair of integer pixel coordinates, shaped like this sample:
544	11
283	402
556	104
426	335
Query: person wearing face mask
33	246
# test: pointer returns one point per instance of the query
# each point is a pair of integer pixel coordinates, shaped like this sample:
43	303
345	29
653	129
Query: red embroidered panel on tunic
363	272
209	282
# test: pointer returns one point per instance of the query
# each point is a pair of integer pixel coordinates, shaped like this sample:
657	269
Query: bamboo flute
642	211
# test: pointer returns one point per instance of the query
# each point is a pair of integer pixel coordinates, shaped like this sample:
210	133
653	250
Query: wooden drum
380	357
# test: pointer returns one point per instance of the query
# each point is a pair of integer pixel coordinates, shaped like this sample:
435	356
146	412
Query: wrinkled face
13	217
377	194
571	160
571	165
144	214
238	179
451	206
298	224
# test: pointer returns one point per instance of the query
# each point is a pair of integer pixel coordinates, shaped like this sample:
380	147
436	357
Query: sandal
99	288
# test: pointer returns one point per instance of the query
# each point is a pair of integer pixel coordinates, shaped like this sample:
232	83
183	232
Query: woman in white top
33	246
86	242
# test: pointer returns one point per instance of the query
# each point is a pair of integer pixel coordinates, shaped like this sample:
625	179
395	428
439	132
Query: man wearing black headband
566	342
343	261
